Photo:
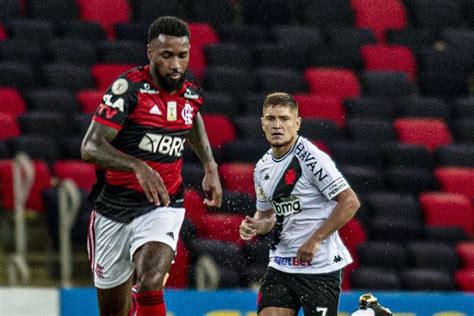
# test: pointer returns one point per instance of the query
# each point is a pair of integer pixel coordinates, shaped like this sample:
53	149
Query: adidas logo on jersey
155	110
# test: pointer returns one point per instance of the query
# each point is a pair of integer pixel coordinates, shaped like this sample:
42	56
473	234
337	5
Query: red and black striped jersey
152	126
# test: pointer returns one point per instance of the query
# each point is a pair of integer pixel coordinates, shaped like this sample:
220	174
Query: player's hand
213	189
248	228
307	250
152	184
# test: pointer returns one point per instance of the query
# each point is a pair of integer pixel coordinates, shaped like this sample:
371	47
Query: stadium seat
257	12
74	51
238	177
255	257
327	12
463	130
22	51
220	103
178	275
10	127
53	10
251	104
462	39
242	34
122	52
321	107
67	76
320	129
416	39
17	75
305	37
407	155
31	30
409	179
133	31
379	15
220	129
387	84
50	124
461	155
369	107
383	254
452	235
370	278
83	30
468	8
352	153
435	14
426	107
100	11
271	79
465	251
55	101
42	181
193	203
353	235
340	83
433	255
82	122
370	131
456	180
430	133
12	102
389	58
235	203
228	54
396	229
465	280
82	173
70	147
221	226
105	74
426	279
395	205
201	34
89	100
280	55
147	11
249	128
244	150
447	209
463	108
11	10
36	147
363	179
213	12
228	80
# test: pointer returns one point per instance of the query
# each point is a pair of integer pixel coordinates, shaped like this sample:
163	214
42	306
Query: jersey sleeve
325	176
262	203
116	104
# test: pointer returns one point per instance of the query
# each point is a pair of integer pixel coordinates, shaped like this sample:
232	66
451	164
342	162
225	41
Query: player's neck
157	83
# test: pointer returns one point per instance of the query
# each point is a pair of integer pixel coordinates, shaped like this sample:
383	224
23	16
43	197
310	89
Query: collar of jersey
287	154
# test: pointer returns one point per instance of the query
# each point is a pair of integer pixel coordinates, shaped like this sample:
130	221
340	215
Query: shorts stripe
91	239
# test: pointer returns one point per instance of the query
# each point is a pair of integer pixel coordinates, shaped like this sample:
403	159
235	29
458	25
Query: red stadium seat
105	74
89	100
353	235
465	280
178	278
195	208
42	181
219	128
389	58
105	12
430	133
456	180
82	173
340	83
238	177
201	34
321	107
11	101
222	227
447	210
3	32
379	15
9	126
465	252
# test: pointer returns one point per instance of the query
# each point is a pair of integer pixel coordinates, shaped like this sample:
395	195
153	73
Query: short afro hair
168	25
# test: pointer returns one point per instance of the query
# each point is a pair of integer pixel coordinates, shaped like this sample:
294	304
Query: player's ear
298	123
149	52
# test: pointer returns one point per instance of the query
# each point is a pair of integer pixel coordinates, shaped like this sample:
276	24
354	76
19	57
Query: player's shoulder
129	81
192	91
265	160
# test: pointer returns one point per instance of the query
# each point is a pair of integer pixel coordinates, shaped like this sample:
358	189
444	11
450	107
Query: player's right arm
260	224
96	148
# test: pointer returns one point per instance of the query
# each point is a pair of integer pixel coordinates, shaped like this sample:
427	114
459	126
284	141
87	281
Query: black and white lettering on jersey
310	162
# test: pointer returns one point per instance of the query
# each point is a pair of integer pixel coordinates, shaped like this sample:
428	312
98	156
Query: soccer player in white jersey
305	200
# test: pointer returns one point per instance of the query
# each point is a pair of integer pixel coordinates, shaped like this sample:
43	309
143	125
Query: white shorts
111	244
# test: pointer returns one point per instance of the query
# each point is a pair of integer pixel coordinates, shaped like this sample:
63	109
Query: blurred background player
305	200
369	306
137	136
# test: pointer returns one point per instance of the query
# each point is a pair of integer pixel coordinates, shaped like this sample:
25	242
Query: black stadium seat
36	147
369	107
51	100
83	30
53	10
22	51
369	278
67	76
123	52
228	54
220	103
271	79
17	75
73	51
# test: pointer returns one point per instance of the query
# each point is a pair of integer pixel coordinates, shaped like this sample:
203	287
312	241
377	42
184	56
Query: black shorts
317	294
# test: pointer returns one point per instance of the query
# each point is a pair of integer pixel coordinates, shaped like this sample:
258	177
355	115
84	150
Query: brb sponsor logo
291	261
162	144
286	205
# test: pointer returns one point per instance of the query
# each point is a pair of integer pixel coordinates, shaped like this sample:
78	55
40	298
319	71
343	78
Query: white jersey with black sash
300	187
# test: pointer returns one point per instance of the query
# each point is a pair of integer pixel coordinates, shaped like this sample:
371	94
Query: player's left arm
199	141
346	207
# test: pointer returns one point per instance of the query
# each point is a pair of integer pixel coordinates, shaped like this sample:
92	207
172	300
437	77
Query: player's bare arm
211	184
96	148
260	224
346	208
